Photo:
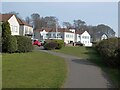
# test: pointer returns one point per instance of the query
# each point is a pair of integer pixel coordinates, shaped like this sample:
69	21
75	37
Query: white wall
85	39
69	37
104	36
43	34
28	30
77	38
14	25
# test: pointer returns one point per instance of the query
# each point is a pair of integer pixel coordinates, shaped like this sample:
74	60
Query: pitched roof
79	32
22	22
54	30
5	17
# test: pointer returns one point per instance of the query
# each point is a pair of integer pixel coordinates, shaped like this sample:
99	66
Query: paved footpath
82	73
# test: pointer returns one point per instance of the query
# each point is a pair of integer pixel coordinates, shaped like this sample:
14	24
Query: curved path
82	73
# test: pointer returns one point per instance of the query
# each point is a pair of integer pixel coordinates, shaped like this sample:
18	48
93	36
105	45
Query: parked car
36	42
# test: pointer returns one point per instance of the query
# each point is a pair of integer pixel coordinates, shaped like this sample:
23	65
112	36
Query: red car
36	42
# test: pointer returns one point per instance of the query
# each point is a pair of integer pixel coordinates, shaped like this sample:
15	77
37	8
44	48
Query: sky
93	13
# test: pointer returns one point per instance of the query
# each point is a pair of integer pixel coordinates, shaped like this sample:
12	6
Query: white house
83	37
104	36
17	26
14	25
25	29
68	35
61	33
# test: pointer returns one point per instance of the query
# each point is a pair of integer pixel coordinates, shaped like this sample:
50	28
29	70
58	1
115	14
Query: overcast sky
93	13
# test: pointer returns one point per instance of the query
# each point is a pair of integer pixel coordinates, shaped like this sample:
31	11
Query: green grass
33	70
0	71
93	56
75	51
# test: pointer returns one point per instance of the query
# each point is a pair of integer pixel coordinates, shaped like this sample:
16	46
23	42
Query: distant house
61	33
68	35
101	36
17	26
84	38
104	36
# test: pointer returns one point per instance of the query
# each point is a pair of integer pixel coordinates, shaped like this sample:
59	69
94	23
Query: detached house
14	25
17	26
25	29
83	37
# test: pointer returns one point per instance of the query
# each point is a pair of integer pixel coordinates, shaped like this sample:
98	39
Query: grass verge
32	70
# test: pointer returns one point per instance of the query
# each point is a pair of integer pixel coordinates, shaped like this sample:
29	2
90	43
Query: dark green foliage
6	29
53	44
9	44
24	44
109	49
50	45
60	44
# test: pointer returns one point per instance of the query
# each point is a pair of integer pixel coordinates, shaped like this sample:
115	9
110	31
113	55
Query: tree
28	20
105	29
78	24
35	17
51	21
43	22
67	24
6	29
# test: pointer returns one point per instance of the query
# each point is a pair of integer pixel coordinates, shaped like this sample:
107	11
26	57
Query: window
14	28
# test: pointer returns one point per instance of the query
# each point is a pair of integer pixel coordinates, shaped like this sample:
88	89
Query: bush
9	44
60	44
109	49
50	45
6	29
57	44
24	44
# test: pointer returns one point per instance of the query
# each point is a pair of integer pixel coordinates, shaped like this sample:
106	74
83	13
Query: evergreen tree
6	29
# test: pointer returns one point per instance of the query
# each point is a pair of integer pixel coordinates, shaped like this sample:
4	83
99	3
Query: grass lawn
93	56
0	71
33	70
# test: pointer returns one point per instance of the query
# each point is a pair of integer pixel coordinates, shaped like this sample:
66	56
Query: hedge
24	44
110	51
9	44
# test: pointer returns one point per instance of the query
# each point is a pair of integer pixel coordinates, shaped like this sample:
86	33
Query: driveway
82	73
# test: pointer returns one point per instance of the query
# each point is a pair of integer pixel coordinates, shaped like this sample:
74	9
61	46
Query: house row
17	25
68	35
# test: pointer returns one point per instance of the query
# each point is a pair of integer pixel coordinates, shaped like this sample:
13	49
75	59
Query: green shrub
109	49
60	44
57	44
6	29
50	45
9	44
24	44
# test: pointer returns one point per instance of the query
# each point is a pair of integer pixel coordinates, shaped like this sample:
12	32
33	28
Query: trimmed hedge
9	44
24	44
110	51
